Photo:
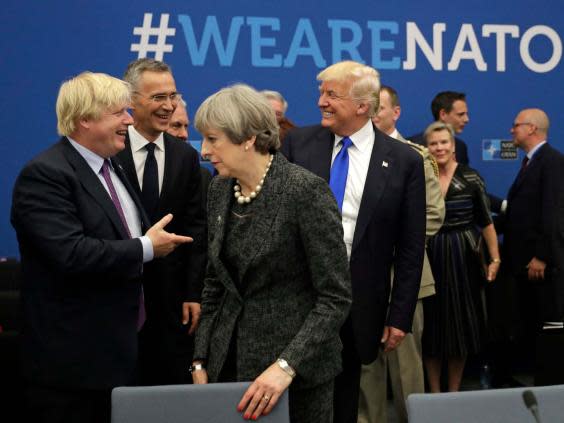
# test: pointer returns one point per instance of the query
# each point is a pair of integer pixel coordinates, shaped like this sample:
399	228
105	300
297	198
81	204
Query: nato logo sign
498	150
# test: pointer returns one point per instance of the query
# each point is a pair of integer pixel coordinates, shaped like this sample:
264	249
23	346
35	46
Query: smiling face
339	112
227	157
152	117
441	146
105	136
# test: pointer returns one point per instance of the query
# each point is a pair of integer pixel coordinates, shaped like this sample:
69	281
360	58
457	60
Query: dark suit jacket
558	247
461	151
297	286
81	283
390	229
530	219
178	277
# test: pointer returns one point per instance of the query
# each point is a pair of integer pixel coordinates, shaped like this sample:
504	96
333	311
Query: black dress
455	316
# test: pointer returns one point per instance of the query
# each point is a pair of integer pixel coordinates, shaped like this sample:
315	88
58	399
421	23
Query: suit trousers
312	405
405	367
347	383
58	405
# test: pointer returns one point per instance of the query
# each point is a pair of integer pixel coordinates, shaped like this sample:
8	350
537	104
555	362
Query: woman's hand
264	392
200	377
493	268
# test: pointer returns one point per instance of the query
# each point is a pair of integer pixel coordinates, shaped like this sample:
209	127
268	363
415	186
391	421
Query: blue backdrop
505	54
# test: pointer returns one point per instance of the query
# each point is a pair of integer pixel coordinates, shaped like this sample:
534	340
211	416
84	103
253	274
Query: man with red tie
529	225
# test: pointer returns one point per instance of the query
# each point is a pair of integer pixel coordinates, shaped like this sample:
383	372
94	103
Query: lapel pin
384	164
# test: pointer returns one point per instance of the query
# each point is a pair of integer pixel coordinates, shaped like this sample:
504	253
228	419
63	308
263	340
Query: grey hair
275	95
439	126
136	68
241	113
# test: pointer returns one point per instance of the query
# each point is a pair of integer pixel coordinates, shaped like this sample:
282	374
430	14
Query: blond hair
88	95
365	82
439	126
241	113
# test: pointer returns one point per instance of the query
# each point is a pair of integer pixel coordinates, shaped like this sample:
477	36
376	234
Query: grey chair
489	406
211	403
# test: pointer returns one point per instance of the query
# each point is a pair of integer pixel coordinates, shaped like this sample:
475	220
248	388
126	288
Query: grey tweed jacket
296	277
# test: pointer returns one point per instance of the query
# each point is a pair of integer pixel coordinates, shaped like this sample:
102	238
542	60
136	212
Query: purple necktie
115	199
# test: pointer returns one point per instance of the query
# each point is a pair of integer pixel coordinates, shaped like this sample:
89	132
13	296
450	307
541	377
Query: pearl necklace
241	199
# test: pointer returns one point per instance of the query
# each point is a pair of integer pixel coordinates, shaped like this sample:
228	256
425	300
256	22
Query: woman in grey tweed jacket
277	288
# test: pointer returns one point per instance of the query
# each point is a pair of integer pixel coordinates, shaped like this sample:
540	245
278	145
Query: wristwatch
194	367
283	364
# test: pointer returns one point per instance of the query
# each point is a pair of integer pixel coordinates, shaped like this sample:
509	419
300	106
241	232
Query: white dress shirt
394	134
127	204
138	143
359	160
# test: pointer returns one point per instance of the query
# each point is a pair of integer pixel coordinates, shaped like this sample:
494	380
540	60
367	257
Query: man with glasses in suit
165	172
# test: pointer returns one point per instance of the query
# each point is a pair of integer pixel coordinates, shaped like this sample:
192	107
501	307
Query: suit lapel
126	159
376	180
266	209
93	186
120	172
322	150
170	166
218	215
524	173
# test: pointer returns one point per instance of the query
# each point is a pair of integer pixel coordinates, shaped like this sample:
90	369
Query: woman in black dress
455	317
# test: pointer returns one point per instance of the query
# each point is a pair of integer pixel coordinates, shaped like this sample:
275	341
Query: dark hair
444	101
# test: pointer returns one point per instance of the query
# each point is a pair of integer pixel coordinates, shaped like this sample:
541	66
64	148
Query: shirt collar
94	161
362	138
532	152
395	134
139	142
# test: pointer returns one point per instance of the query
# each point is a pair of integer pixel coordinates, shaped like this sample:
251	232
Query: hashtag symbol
146	31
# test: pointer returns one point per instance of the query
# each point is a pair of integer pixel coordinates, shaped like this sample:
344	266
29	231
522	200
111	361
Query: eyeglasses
517	124
162	98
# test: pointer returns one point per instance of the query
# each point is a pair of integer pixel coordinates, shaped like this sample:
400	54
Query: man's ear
84	122
362	109
397	113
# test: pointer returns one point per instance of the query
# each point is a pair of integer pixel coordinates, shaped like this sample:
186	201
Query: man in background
450	107
179	122
178	128
280	106
531	241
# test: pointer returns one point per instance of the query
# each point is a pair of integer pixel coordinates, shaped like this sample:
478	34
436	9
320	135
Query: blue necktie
339	172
